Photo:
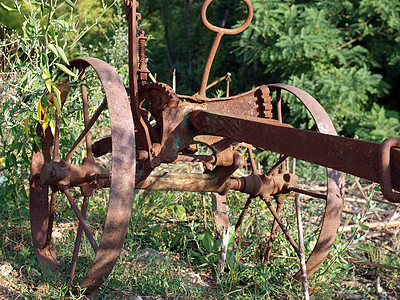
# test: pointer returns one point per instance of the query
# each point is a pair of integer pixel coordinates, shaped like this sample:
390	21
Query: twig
349	296
242	289
356	179
117	290
371	264
374	225
203	198
374	199
301	248
224	249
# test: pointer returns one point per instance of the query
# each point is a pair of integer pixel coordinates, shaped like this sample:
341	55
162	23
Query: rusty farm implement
124	139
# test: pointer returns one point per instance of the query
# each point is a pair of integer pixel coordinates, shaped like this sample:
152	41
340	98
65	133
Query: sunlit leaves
343	53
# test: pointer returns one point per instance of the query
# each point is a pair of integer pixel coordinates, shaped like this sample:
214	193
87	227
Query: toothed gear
159	96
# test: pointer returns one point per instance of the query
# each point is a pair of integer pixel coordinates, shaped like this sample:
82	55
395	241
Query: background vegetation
344	53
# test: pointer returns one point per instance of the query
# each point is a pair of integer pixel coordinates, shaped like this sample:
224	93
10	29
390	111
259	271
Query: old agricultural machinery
156	127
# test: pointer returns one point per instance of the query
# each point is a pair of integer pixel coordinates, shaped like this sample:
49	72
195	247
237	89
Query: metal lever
219	33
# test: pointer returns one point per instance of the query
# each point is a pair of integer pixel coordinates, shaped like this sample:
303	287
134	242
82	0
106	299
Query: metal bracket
385	175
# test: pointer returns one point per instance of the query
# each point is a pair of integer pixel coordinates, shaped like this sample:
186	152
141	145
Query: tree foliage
344	53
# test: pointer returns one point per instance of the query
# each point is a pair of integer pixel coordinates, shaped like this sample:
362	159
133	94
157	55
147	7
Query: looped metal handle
385	176
220	30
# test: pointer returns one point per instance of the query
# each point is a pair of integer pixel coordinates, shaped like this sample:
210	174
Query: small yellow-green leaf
45	123
48	82
66	70
26	121
57	100
62	55
48	85
52	126
53	49
39	109
7	7
2	161
71	4
46	74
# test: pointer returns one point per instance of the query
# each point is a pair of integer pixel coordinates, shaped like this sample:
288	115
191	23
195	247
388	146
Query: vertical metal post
301	248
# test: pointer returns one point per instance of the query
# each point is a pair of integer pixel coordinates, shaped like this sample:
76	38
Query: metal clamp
385	175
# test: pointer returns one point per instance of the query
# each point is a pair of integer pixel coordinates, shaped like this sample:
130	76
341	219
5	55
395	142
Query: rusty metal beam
356	157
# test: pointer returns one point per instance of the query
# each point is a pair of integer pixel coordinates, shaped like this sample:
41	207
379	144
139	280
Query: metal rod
253	163
277	165
80	217
243	213
78	241
207	67
56	150
52	211
308	193
281	225
271	239
301	246
86	115
225	77
86	130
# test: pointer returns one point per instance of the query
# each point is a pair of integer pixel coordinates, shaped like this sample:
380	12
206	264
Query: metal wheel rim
121	189
335	184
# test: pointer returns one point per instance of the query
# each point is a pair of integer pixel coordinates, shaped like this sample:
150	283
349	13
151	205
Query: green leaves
71	4
7	7
341	54
66	70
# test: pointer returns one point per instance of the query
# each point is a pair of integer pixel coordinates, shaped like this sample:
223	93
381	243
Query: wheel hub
65	173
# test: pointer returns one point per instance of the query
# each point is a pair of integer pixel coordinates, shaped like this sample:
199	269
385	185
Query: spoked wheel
55	171
322	211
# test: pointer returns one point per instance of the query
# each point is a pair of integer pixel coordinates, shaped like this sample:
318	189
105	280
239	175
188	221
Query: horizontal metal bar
356	157
185	182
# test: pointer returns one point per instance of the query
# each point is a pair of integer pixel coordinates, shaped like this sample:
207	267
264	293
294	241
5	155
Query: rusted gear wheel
331	199
114	114
155	98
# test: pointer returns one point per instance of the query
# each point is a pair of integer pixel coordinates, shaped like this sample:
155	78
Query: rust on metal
157	126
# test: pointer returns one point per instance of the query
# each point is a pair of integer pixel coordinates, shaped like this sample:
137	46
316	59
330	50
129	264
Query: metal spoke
86	115
282	226
308	193
86	130
274	228
78	241
254	168
52	211
244	210
277	165
80	217
301	245
56	150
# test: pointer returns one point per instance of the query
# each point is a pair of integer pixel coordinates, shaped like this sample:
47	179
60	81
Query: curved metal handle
385	176
221	30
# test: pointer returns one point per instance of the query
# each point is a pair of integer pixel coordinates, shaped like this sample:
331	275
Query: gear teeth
265	105
168	98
